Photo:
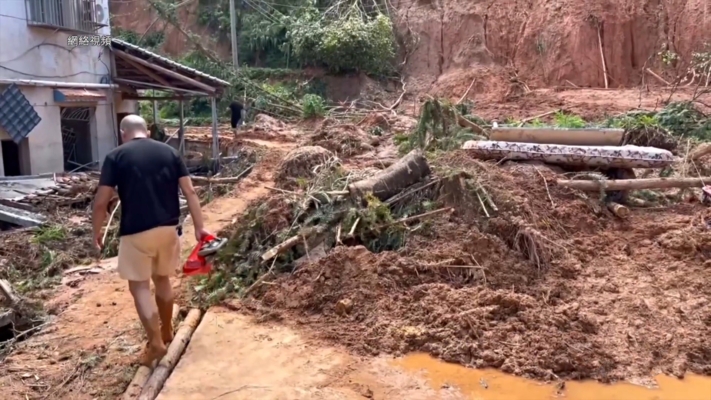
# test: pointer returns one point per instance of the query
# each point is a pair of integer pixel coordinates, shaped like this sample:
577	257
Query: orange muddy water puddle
489	384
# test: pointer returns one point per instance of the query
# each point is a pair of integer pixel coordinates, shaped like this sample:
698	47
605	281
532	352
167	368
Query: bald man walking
147	175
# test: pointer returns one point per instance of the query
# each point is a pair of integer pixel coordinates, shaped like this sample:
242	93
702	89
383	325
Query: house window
70	15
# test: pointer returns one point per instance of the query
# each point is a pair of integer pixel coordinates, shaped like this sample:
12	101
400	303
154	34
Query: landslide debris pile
480	263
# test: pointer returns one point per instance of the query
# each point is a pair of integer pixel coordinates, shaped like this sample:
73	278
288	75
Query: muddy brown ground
91	344
272	361
615	294
611	300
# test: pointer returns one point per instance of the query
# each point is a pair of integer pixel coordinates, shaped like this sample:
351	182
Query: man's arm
107	183
186	186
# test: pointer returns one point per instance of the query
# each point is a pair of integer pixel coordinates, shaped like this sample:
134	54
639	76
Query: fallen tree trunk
394	179
143	373
175	350
634	184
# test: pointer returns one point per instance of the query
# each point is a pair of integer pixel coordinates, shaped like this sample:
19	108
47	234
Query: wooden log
465	123
564	136
175	350
619	210
394	179
7	318
700	151
634	184
291	242
9	294
143	373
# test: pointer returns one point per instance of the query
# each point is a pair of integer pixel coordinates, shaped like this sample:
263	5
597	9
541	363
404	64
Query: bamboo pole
602	57
634	184
175	350
619	210
143	373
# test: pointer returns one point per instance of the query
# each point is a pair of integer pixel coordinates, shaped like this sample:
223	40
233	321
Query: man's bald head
133	126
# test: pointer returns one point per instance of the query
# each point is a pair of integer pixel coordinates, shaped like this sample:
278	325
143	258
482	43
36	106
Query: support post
155	112
215	138
181	132
233	34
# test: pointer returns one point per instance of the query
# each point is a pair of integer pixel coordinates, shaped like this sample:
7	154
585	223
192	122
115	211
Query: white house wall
30	52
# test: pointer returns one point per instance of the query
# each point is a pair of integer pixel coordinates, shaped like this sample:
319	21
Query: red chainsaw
199	261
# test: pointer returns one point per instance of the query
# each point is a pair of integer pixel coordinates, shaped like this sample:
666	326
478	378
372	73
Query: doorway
76	137
11	158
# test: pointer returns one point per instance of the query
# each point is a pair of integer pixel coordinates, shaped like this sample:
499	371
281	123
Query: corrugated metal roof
170	62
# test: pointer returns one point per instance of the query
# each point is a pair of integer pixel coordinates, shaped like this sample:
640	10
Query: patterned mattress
592	156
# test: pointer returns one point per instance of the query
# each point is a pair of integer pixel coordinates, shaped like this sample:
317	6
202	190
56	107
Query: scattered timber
619	210
634	184
562	136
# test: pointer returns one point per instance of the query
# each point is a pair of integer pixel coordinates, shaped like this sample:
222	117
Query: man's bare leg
148	314
164	300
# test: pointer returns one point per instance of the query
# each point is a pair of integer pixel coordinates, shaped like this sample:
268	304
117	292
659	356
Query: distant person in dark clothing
236	118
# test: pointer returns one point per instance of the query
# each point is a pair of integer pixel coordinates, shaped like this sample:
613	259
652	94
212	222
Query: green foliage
49	233
564	120
150	41
679	119
313	106
701	62
437	129
354	42
683	119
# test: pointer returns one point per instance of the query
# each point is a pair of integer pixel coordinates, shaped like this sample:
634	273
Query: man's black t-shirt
145	173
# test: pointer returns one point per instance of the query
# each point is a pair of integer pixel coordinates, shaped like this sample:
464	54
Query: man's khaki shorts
155	252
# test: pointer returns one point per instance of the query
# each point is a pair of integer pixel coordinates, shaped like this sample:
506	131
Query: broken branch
464	96
419	216
291	242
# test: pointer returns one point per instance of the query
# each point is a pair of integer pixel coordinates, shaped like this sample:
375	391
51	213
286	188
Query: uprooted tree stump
406	172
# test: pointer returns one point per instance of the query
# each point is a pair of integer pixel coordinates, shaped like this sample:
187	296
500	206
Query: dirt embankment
140	17
547	287
550	42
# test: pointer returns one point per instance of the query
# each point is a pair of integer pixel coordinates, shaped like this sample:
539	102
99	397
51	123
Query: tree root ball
300	164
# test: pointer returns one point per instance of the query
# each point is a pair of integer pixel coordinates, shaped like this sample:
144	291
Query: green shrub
350	43
313	106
